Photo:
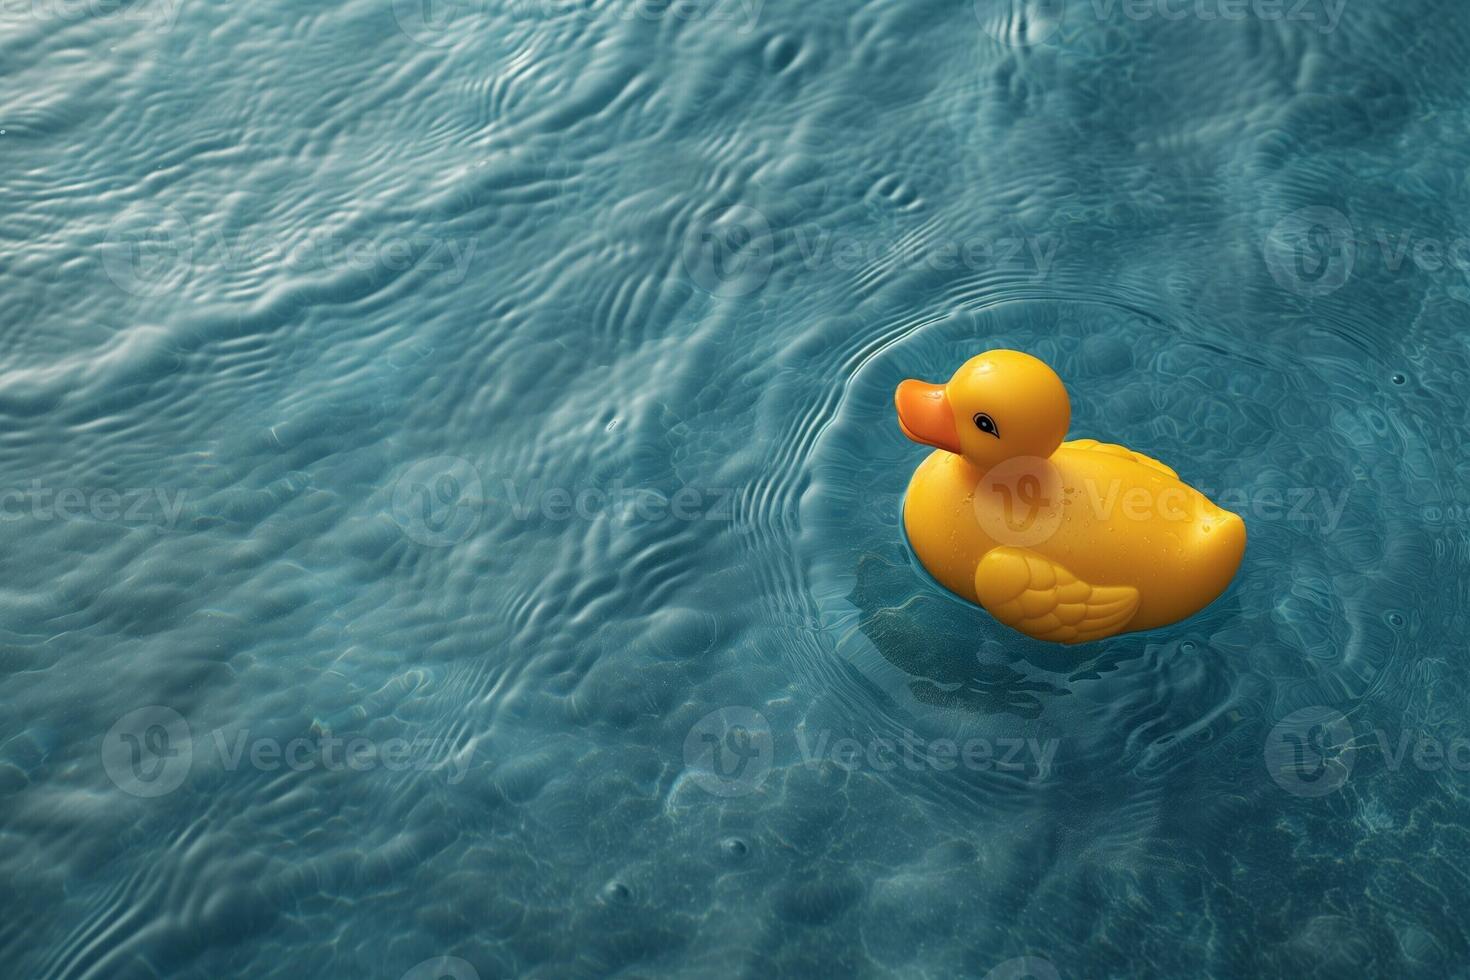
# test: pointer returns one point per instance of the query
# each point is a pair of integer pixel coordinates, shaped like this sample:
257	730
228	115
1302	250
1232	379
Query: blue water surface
450	518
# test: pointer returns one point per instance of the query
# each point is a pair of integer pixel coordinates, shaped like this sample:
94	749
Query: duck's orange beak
924	415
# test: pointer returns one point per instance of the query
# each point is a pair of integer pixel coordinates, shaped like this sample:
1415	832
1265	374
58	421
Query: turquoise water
450	518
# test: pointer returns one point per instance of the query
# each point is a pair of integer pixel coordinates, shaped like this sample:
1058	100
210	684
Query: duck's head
998	405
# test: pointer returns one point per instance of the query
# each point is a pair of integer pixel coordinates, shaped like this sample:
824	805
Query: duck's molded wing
1114	449
1040	598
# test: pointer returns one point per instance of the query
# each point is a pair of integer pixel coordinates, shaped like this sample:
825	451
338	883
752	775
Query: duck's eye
985	423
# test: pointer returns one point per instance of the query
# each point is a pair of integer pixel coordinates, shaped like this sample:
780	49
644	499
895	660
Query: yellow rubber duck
1065	541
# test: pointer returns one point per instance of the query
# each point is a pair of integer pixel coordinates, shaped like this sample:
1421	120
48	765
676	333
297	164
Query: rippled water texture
451	491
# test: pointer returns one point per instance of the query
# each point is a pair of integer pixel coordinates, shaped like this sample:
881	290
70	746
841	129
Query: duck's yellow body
1064	541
